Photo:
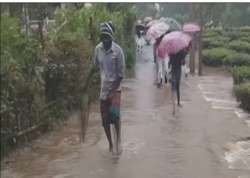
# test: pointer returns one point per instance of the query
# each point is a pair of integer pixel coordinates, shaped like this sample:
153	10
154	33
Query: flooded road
199	142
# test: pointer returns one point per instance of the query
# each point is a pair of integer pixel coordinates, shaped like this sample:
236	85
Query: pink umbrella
191	28
172	43
156	30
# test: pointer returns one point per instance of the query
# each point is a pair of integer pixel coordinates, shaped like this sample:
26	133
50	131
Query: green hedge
242	93
212	33
231	48
240	46
237	59
245	39
241	74
245	29
215	56
214	42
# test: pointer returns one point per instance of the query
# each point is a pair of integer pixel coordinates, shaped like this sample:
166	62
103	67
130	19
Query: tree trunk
193	49
192	58
200	20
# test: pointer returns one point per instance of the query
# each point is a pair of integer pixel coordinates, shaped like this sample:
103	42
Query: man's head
107	31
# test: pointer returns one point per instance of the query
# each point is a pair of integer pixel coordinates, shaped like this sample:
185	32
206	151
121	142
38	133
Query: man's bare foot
110	148
119	148
180	105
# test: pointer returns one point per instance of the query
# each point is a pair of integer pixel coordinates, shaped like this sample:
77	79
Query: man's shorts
110	109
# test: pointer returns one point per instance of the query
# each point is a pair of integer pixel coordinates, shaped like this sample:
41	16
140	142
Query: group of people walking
109	59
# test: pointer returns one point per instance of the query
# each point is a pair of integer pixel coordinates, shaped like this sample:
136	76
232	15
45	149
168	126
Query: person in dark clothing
175	63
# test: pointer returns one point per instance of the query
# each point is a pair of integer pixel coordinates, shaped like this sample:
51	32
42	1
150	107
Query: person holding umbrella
175	45
161	64
155	34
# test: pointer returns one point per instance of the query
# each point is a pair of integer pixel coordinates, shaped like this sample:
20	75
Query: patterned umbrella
156	30
172	43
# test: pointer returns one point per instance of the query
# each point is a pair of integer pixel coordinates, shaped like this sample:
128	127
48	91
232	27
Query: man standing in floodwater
109	58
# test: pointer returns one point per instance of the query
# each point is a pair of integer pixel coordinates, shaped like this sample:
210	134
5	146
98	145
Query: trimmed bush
215	56
245	39
232	35
240	46
245	29
212	33
241	74
242	93
214	42
237	59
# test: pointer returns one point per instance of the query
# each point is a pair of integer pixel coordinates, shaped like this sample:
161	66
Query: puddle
238	155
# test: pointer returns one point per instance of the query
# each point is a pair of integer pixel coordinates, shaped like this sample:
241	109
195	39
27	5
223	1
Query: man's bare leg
108	134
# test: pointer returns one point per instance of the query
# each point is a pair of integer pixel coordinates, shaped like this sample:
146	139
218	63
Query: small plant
242	93
241	74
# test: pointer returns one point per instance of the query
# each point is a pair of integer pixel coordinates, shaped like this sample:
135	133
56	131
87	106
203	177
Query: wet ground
206	139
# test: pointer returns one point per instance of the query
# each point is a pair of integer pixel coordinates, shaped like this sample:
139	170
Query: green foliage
240	46
215	41
22	83
212	33
245	29
242	93
241	74
84	24
215	56
33	78
72	47
245	39
237	59
235	40
233	35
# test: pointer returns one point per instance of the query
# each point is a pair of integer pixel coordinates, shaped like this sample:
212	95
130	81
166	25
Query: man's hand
111	96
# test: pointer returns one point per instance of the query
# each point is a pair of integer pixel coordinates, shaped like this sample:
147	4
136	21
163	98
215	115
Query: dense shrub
245	39
231	47
22	82
245	29
240	46
237	59
232	35
241	74
212	33
214	42
215	56
242	93
44	84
